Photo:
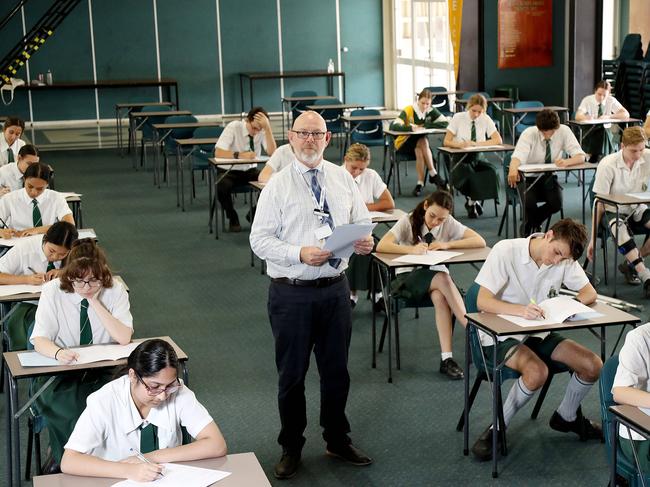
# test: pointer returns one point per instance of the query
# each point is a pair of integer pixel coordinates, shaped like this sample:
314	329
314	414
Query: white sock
517	398
644	275
576	390
378	296
353	297
420	183
446	355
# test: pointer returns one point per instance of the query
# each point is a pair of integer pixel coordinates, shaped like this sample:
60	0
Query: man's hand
314	256
364	246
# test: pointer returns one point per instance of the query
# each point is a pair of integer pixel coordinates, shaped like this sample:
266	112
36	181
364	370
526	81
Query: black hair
441	198
254	111
28	150
61	233
547	120
152	356
13	121
38	170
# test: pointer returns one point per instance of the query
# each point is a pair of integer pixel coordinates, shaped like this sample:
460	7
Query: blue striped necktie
316	189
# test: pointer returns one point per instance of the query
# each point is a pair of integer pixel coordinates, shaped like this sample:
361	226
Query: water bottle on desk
48	77
330	66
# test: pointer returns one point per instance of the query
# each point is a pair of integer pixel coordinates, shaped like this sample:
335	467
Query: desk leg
616	251
495	405
374	315
603	344
613	435
156	161
466	391
8	433
594	225
514	131
584	190
180	170
12	384
210	183
118	127
178	189
390	339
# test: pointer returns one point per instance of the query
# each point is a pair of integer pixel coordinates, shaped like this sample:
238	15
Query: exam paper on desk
10	242
341	242
557	310
87	355
176	475
432	257
13	289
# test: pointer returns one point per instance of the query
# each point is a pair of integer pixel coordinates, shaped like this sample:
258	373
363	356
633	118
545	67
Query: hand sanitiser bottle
330	66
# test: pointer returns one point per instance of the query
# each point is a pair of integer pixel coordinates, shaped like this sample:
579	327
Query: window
423	52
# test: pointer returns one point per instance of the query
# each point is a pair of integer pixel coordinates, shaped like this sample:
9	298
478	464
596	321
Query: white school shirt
285	220
235	138
370	185
57	315
16	208
15	147
11	177
633	367
589	106
614	177
450	229
110	425
511	274
27	253
531	146
461	127
282	157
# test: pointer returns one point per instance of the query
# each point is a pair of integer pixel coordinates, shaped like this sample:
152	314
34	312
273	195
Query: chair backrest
207	133
471	298
632	49
529	119
180	133
332	116
300	106
441	102
147	129
368	129
512	195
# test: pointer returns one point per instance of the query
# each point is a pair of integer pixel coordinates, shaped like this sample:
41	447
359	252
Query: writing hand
420	248
67	356
532	312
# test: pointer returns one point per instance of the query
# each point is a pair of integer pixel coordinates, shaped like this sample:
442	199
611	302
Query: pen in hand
143	458
541	311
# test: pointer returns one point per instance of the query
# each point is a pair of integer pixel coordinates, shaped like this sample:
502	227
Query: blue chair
512	200
369	133
169	145
624	467
441	102
201	155
529	118
298	107
485	372
148	131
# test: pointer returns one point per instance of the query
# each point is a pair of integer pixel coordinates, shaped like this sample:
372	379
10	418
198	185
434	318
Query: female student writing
143	412
31	210
10	142
474	177
11	175
431	227
34	261
83	306
415	118
377	197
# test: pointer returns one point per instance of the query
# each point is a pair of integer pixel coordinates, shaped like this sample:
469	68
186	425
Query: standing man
551	143
309	297
241	139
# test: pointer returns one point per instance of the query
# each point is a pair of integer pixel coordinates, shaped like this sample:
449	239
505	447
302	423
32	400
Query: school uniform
511	274
24	258
235	137
59	319
600	139
17	209
634	371
414	284
111	424
532	148
11	177
371	187
282	157
474	177
9	153
412	115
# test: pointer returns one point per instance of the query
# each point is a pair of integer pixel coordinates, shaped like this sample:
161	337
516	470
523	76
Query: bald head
308	138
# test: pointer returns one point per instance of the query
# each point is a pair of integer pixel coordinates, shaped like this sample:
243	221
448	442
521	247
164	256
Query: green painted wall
125	47
545	84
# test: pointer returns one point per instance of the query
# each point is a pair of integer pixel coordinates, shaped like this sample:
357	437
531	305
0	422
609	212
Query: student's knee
534	374
590	368
437	298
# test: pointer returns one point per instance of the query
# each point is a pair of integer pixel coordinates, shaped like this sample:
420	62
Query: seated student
474	177
414	118
547	142
241	139
377	197
626	171
34	261
601	104
83	306
35	208
11	175
10	141
141	411
517	274
281	158
632	387
431	227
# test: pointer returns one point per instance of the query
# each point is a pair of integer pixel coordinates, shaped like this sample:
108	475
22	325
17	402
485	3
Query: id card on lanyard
324	230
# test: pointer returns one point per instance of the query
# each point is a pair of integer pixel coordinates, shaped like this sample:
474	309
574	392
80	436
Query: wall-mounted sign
525	33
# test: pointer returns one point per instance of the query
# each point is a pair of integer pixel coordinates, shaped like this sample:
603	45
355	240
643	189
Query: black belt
322	282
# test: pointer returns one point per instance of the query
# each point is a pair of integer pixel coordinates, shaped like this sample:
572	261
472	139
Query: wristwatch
235	155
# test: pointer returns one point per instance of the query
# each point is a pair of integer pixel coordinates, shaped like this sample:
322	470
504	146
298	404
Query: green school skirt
475	178
18	325
600	141
63	401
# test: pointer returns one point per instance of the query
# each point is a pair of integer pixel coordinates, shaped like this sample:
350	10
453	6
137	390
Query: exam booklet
557	310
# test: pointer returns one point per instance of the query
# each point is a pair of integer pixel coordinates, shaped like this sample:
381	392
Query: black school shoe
631	277
287	466
583	427
349	453
417	191
451	369
482	449
471	210
646	288
478	208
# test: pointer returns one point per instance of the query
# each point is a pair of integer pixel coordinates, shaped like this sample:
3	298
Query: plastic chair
148	131
298	107
624	467
512	200
441	102
170	146
485	372
529	118
369	133
201	155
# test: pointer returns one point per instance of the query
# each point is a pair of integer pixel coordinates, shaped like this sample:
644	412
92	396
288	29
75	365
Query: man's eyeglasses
81	283
304	134
154	391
